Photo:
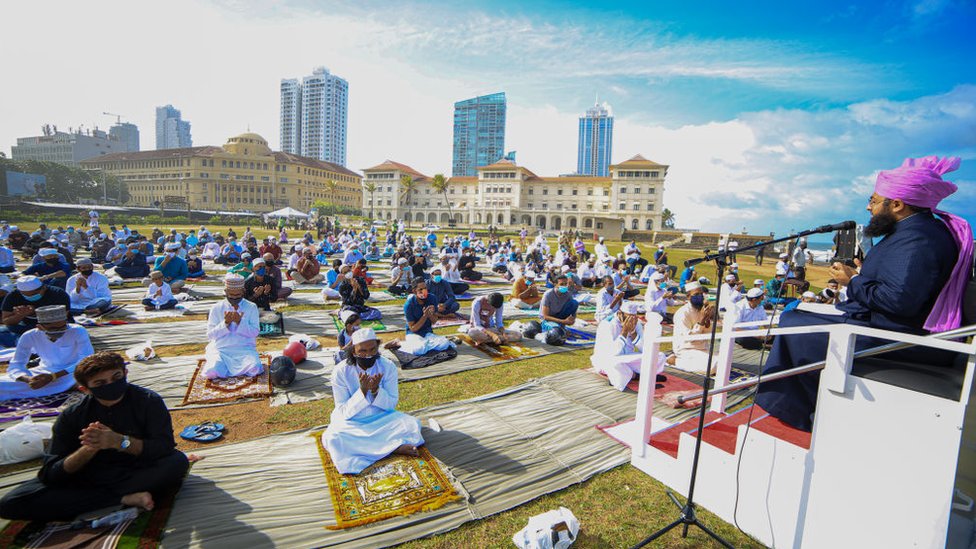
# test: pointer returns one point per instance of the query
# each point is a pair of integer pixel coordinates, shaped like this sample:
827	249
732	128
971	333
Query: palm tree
440	184
667	218
370	188
331	185
407	186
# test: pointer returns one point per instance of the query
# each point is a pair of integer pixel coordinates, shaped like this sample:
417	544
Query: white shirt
451	273
6	257
603	301
730	296
484	319
211	249
686	323
631	249
351	403
242	335
405	279
747	313
63	354
585	271
611	342
162	299
799	257
656	300
601	251
97	289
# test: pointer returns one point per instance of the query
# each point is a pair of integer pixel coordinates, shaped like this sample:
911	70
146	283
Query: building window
589	192
531	191
559	191
634	224
654	174
623	190
636	190
575	192
650	206
599	224
650	191
622	206
636	207
573	206
545	191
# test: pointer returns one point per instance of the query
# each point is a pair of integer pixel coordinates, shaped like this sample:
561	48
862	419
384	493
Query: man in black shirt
19	305
259	288
113	447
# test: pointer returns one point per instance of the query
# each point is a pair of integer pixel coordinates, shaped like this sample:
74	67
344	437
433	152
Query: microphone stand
688	517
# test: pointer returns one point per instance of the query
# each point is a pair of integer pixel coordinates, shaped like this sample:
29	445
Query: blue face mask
563	289
437	278
33	298
697	301
663	286
260	272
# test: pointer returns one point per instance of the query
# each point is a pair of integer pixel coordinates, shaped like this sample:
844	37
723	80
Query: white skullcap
565	268
345	314
258	261
754	293
691	286
362	335
530	274
172	246
28	283
629	308
758	282
809	294
783	255
102	236
729	277
83	261
780	271
233	281
245	255
14	228
45	252
734	266
51	313
402	261
657	276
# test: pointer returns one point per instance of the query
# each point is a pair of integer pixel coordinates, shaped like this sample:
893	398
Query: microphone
842	226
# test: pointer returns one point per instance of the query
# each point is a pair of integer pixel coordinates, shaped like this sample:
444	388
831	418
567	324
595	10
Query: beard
881	224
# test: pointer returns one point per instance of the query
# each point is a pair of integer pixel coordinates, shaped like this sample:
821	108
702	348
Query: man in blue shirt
442	292
421	311
173	267
53	271
132	265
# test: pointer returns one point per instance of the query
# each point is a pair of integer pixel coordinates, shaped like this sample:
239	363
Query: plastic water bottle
116	518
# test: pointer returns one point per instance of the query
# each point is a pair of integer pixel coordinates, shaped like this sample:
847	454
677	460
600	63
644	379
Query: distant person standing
760	251
799	261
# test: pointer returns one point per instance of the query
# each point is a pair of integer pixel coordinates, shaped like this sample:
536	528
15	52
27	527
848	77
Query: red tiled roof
391	165
638	161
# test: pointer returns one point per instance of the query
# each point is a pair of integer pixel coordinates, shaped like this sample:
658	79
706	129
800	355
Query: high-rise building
479	133
68	148
128	134
314	116
172	132
595	141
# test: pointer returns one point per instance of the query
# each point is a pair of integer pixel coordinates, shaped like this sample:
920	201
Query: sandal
207	431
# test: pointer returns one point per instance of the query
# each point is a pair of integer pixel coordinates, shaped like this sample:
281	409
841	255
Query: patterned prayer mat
376	325
456	321
579	338
143	532
46	406
510	351
208	391
392	487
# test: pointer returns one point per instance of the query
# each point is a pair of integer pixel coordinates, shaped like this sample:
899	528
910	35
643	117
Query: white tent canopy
287	212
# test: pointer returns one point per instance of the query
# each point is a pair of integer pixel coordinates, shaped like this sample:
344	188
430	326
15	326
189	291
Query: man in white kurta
692	319
365	426
232	328
88	290
60	347
620	346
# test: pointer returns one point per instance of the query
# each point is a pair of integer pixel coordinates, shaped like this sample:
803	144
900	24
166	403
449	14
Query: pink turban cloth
918	182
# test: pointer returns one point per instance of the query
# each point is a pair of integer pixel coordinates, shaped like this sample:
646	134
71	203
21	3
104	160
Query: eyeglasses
874	201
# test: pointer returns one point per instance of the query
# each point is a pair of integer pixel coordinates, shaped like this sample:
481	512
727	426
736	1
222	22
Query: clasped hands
844	273
99	437
231	317
369	383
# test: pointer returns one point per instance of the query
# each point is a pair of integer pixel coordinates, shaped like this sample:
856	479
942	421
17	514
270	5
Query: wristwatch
125	443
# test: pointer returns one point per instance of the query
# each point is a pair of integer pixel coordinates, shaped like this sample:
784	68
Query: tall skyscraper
128	134
172	132
595	141
479	132
314	116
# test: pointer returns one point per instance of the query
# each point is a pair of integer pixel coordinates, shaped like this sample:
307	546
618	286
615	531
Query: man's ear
84	389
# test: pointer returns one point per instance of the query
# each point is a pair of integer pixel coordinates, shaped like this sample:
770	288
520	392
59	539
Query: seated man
233	329
88	290
230	253
467	265
270	246
333	279
194	265
20	305
693	318
361	270
210	250
659	296
525	295
352	255
622	279
750	309
17	238
443	292
449	271
775	290
60	347
173	267
53	271
113	447
608	300
487	324
274	273
619	347
133	264
558	308
400	277
421	312
365	426
587	273
100	248
355	292
259	287
159	296
307	269
350	323
8	263
242	268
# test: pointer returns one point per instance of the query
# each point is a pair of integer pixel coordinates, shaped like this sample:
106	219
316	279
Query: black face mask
366	362
53	261
697	301
110	391
234	300
85	273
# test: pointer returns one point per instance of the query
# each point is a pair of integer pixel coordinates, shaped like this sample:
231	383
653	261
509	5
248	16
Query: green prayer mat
376	325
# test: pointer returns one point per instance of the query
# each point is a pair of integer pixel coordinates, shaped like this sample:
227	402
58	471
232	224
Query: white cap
45	252
704	280
402	261
629	308
28	283
363	334
754	293
758	282
529	274
657	276
729	277
233	281
691	286
258	261
345	314
783	255
809	294
172	246
565	268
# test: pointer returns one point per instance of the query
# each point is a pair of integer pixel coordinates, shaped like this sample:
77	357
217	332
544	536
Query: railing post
648	378
840	355
723	362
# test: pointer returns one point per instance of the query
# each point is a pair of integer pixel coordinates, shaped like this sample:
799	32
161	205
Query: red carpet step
667	440
724	433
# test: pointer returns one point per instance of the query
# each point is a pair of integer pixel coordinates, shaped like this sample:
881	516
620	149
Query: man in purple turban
912	281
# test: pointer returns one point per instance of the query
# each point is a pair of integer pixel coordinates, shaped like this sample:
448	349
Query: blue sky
772	116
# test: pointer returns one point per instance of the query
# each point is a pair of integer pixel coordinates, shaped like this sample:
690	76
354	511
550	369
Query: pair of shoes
208	431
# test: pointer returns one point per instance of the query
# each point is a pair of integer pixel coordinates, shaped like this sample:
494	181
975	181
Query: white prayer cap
530	274
657	276
233	281
28	283
362	335
692	286
754	293
51	313
156	274
783	255
629	308
45	252
84	261
565	268
402	261
345	314
55	231
660	246
758	282
734	266
781	271
258	261
245	255
729	277
172	246
809	295
14	228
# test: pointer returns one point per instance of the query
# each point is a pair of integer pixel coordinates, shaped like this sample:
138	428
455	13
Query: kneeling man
113	447
60	347
365	425
233	331
620	345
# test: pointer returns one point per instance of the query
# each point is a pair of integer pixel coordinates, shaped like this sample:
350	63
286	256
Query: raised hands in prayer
431	313
369	383
708	314
80	284
23	311
99	437
629	327
844	273
231	317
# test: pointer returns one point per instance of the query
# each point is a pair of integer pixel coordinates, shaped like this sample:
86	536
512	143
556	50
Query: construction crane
118	117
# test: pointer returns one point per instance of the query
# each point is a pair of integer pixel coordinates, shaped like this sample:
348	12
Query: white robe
63	354
96	290
165	297
365	429
232	350
210	250
690	356
618	357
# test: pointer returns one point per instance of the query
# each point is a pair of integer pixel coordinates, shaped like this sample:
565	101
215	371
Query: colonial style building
509	196
243	175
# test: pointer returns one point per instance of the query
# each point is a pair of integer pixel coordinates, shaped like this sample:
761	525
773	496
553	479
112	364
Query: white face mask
170	254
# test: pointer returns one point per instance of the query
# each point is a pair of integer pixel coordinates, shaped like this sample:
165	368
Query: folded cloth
412	362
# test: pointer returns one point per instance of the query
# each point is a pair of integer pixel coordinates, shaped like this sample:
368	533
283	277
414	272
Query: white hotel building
509	196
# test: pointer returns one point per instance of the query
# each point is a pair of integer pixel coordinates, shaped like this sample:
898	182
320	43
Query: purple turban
918	182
